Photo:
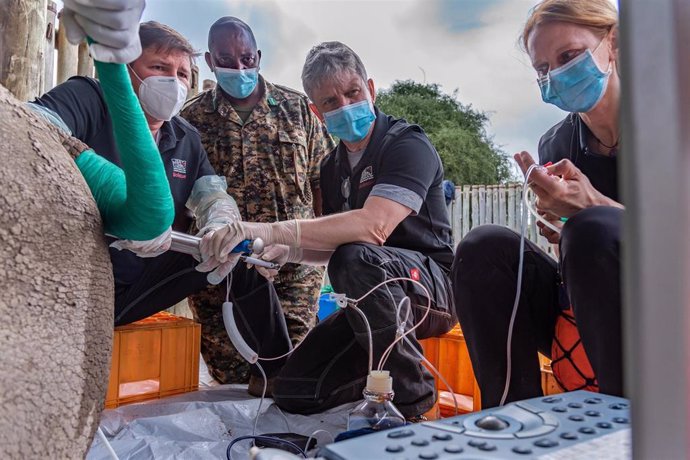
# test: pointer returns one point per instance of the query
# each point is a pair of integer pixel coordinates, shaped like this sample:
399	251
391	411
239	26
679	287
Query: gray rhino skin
56	295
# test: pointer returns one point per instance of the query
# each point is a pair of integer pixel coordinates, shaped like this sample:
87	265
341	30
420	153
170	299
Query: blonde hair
599	15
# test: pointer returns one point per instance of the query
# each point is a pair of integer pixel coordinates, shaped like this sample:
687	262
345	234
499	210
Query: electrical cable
437	372
369	335
107	445
529	206
409	331
352	304
521	262
294	447
311	436
417	352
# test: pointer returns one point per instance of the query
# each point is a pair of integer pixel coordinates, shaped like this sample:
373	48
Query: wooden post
84	61
194	83
67	57
465	210
208	84
22	24
47	82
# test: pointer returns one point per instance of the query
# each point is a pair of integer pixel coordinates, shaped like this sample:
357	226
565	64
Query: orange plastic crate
448	353
152	358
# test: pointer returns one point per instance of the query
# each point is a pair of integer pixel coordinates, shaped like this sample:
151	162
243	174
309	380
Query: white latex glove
211	262
220	269
220	242
112	24
277	253
149	248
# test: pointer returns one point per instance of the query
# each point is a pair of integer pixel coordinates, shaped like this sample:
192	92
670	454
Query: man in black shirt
147	279
385	218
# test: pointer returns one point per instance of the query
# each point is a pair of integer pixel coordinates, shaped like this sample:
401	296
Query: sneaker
256	386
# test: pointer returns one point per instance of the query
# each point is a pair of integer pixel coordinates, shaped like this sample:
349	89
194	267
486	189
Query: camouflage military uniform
271	163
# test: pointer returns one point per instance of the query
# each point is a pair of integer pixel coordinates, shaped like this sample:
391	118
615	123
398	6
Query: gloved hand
220	242
220	269
277	253
112	24
149	248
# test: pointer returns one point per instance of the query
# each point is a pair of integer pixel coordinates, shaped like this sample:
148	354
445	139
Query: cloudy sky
468	45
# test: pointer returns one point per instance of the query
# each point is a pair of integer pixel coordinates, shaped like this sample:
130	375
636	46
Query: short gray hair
328	59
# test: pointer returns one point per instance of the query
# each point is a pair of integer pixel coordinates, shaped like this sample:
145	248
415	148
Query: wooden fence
475	205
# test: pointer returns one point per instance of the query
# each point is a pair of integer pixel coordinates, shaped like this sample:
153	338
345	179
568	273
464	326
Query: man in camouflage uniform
268	144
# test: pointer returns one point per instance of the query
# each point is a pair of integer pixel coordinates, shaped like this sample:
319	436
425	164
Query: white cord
529	206
108	447
228	281
409	331
369	337
311	436
437	372
416	351
521	262
261	401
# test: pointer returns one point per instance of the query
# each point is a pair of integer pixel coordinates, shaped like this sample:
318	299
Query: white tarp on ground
201	424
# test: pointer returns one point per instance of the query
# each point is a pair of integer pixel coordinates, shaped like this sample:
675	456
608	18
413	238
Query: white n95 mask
161	97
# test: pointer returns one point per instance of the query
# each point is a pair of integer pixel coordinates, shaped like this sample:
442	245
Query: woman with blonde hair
573	46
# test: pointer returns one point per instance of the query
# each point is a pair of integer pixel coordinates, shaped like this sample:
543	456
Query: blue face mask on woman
238	83
351	123
576	86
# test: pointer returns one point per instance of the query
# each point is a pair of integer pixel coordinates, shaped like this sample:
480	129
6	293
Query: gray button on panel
428	455
546	443
420	442
604	425
398	434
570	436
487	447
522	450
442	437
395	448
453	449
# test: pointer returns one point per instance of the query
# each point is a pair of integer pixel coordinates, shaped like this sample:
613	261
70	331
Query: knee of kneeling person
345	264
484	244
591	230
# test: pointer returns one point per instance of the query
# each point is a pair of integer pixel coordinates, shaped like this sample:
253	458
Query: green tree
457	131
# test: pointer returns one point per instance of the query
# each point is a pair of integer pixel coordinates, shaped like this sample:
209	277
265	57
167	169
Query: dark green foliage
457	131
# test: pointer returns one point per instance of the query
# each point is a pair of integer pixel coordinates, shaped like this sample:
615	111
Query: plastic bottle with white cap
377	411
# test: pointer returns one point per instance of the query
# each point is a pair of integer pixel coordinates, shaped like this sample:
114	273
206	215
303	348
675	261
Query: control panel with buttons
560	426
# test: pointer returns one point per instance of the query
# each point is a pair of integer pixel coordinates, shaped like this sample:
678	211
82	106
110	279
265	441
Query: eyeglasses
345	191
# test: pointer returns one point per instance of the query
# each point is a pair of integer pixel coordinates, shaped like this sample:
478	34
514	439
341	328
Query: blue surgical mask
576	86
238	83
351	123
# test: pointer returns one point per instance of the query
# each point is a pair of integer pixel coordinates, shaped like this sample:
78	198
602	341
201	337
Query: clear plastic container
377	411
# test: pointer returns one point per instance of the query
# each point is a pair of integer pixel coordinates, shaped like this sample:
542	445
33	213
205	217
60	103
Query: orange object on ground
448	353
152	358
570	365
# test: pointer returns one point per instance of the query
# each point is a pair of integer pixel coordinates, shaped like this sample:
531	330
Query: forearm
329	232
313	257
606	201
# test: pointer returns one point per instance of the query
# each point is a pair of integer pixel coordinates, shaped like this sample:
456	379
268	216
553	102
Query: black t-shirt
79	102
569	139
400	164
